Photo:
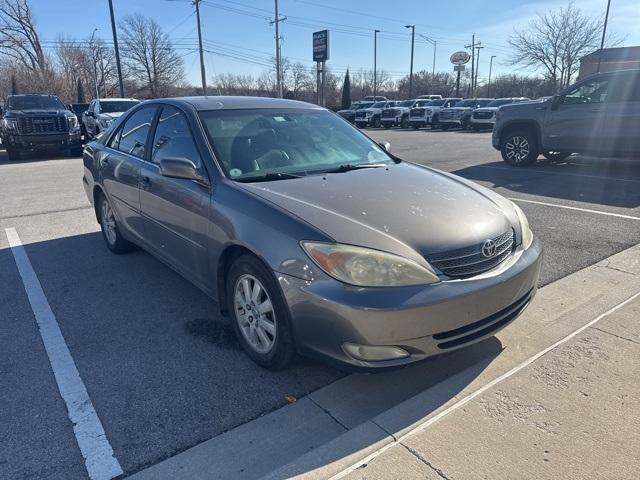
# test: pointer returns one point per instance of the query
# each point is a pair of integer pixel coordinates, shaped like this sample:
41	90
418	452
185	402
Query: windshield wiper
347	167
270	176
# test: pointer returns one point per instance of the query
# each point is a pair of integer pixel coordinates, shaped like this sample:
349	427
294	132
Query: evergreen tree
346	91
80	90
14	85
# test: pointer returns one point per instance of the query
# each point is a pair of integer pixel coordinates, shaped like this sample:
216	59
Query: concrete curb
344	422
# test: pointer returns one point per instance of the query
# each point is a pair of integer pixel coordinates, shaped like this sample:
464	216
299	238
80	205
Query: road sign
460	58
321	46
458	68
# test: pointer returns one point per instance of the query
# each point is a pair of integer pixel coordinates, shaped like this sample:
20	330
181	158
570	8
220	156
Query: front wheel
259	313
110	230
519	149
376	122
555	156
13	154
404	123
415	126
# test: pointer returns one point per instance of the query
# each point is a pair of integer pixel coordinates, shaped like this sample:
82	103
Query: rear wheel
404	123
555	156
519	148
259	313
387	125
415	126
110	231
376	122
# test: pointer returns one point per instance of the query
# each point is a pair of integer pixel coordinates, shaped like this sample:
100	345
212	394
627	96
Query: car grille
361	114
482	115
389	113
470	261
43	124
482	328
417	112
448	115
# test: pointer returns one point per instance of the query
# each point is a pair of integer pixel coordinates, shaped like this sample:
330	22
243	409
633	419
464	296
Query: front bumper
363	122
485	122
43	141
424	320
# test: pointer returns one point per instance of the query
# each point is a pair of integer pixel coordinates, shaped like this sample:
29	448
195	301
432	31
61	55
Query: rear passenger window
133	138
173	137
624	88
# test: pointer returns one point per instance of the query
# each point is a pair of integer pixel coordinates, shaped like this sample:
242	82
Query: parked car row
32	122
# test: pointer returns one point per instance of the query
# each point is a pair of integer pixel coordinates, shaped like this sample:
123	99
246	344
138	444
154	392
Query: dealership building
622	58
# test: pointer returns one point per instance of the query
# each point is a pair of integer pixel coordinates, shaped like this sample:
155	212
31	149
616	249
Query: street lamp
435	45
95	64
375	66
413	35
490	67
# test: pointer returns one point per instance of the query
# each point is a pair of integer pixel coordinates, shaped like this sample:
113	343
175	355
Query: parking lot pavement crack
605	264
47	212
617	336
395	439
416	454
346	429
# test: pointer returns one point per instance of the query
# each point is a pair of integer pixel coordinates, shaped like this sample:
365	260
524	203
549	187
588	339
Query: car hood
405	209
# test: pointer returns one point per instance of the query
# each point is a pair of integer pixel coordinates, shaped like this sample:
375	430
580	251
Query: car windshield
499	102
250	144
406	103
378	105
115	106
483	102
467	103
436	103
34	102
364	105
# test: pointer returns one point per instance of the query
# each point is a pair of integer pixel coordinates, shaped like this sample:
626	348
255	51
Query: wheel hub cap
254	313
517	149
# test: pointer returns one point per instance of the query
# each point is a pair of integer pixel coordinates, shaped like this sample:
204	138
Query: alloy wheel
517	149
108	222
254	313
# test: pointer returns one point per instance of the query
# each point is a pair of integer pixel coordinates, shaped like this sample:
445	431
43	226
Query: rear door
577	122
120	164
175	210
623	113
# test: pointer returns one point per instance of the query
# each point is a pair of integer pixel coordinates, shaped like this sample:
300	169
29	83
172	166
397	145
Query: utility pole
604	33
202	72
375	66
435	45
95	63
490	67
473	58
413	36
278	54
475	81
115	45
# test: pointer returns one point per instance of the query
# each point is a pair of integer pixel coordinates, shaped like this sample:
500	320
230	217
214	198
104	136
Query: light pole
413	36
203	75
115	44
490	67
604	33
95	64
375	63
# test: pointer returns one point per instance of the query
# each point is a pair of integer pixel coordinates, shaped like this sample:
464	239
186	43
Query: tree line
80	69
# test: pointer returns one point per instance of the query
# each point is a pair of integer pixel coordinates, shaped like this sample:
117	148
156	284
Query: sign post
320	56
459	59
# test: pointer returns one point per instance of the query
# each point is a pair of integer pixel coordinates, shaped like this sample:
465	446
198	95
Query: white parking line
460	403
100	461
566	174
587	210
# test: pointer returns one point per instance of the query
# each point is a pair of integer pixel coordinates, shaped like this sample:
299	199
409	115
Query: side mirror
556	101
89	113
385	145
180	167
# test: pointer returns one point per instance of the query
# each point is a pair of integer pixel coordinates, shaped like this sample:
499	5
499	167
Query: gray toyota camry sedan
310	236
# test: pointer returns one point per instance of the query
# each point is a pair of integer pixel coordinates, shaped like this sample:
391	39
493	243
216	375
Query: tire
444	127
387	126
110	230
404	123
75	152
13	154
376	122
555	156
415	126
267	338
519	148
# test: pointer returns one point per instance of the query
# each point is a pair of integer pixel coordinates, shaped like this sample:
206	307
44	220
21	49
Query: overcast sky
240	39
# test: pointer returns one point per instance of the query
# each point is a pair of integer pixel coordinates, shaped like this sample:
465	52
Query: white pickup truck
425	112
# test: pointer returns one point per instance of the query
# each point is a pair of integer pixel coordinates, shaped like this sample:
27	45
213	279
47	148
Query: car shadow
602	181
164	368
37	156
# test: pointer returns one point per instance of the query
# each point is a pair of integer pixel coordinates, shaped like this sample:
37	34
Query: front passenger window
133	139
594	91
173	138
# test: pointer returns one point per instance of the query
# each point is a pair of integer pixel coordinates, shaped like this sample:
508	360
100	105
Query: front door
175	210
577	121
120	165
623	112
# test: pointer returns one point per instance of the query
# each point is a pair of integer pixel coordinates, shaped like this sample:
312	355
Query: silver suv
598	115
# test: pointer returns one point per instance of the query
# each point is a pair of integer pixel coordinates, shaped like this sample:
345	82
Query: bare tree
299	81
19	38
149	55
555	41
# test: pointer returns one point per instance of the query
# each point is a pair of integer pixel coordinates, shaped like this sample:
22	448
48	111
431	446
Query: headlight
105	122
10	123
527	235
73	121
499	114
366	267
429	112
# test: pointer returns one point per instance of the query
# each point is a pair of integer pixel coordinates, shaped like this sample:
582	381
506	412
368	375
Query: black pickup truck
38	122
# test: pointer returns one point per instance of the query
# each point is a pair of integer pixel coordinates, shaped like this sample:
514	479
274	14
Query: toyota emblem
489	248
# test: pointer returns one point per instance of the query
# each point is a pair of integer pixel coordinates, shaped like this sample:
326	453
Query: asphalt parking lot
162	369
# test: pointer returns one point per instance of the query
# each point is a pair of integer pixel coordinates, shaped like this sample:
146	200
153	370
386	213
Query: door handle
105	160
145	182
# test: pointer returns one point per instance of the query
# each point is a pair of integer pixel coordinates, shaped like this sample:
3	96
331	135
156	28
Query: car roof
114	99
236	102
